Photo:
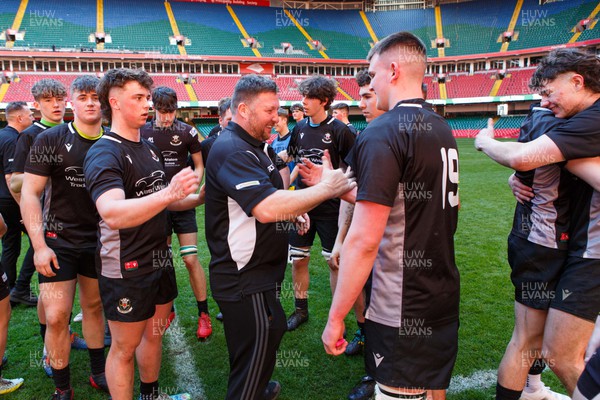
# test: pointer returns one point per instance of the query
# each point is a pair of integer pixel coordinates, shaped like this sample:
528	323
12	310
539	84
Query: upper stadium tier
194	28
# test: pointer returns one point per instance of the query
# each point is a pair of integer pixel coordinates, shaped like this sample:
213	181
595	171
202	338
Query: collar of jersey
48	124
417	103
327	120
72	128
241	132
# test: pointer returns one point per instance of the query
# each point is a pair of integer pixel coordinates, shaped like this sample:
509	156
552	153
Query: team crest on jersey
124	306
175	141
327	138
154	156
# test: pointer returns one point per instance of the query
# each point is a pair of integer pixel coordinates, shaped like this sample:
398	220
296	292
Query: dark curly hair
560	61
320	88
363	78
118	78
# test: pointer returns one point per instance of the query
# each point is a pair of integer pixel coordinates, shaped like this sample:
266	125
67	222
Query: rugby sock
534	378
382	394
97	361
301	304
148	391
503	393
202	307
43	332
62	378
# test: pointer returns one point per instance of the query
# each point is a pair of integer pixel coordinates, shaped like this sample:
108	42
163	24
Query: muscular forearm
31	212
120	213
344	220
356	263
288	204
192	201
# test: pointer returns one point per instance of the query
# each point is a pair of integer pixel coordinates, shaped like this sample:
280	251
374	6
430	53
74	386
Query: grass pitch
303	368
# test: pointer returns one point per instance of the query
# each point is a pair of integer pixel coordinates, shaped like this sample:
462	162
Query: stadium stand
20	89
481	19
469	126
210	28
58	23
214	87
419	22
516	81
7	13
174	83
145	28
349	86
508	127
433	89
343	33
464	85
272	27
551	23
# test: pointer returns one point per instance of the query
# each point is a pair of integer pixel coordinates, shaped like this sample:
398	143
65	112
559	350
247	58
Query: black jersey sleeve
8	152
292	149
279	163
21	152
42	155
345	140
103	171
377	164
245	180
578	137
194	146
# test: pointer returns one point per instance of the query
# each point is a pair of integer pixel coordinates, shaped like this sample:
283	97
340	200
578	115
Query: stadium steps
495	87
342	91
191	92
363	16
3	89
443	91
18	20
439	29
100	21
174	27
238	23
306	35
513	23
591	17
516	82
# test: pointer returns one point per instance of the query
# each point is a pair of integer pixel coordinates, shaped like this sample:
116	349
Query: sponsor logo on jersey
154	156
124	306
129	158
151	139
327	138
51	235
175	141
131	265
150	184
301	135
566	293
4	277
68	146
193	132
378	359
74	175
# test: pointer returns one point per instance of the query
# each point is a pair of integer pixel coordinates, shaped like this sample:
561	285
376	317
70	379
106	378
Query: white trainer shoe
544	393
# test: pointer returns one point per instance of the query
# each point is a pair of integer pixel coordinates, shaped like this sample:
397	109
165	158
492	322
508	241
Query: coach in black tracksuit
248	247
